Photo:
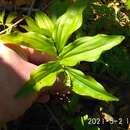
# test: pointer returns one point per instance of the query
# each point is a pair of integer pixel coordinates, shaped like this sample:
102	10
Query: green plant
7	22
81	123
128	4
45	36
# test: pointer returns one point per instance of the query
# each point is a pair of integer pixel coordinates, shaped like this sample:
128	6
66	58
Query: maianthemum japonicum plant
52	37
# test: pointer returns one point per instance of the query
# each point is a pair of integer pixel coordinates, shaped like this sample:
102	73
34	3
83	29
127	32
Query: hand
14	71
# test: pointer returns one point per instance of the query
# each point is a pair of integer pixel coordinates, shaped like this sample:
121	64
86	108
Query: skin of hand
14	71
16	65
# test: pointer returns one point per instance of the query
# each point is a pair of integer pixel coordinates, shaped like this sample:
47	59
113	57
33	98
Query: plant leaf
43	21
33	27
128	4
87	86
43	76
66	25
30	39
10	18
88	48
2	15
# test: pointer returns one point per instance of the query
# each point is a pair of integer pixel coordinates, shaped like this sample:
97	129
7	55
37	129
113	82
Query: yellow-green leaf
88	48
30	39
43	21
10	18
2	16
44	76
33	27
87	86
66	25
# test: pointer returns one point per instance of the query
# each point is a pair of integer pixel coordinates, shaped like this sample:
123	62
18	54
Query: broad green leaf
44	76
43	21
87	86
33	27
88	48
30	39
66	25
